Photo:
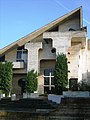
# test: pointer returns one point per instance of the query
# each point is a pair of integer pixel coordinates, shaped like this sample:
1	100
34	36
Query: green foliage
83	86
6	74
31	82
61	73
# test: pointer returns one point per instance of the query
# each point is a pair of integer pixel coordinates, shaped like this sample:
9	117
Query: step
68	118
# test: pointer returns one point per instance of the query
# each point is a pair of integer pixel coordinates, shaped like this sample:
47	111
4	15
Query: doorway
22	84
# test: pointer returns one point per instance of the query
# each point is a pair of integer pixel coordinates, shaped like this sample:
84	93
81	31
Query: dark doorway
73	84
22	84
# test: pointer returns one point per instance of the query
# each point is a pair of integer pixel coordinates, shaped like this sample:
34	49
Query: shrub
83	86
6	74
31	82
61	73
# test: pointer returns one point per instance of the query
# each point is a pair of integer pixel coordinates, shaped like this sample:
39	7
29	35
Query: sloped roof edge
39	31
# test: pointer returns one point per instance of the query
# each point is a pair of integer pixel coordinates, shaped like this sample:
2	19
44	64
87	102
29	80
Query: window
68	71
2	58
21	54
68	53
48	81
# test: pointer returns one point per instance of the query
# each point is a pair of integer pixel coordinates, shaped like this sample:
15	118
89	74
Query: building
38	51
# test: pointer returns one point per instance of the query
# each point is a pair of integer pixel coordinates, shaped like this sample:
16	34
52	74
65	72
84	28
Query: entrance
73	84
22	84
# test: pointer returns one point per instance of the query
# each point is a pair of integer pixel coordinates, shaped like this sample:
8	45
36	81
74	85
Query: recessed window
21	54
2	58
68	53
68	62
53	50
68	71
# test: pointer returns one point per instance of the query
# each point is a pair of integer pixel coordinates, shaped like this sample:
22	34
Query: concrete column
33	48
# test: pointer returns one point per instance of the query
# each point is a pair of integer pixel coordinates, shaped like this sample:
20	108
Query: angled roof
43	29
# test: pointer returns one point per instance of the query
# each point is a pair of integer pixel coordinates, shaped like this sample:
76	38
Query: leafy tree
6	74
31	82
61	73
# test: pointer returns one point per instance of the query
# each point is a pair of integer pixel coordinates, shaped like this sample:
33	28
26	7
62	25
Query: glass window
52	81
19	55
48	71
25	52
46	81
46	90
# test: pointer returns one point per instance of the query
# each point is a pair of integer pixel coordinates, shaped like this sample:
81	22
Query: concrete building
38	51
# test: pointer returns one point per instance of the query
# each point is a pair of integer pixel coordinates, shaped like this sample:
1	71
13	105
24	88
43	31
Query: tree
31	82
61	73
6	74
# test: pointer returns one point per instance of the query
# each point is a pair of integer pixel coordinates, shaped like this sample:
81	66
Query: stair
72	109
35	106
42	109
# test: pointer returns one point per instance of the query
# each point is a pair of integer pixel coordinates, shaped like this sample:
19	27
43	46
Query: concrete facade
39	49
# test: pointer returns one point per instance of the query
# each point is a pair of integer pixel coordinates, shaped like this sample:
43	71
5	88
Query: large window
48	81
21	54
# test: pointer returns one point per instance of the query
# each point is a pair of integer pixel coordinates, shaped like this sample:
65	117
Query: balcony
18	65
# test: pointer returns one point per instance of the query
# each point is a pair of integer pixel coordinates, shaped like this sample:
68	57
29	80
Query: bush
83	86
31	82
6	74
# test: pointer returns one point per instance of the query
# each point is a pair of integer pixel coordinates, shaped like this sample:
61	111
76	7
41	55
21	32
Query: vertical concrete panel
33	55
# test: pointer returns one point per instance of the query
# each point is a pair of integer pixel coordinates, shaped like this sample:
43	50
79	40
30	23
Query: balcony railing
17	65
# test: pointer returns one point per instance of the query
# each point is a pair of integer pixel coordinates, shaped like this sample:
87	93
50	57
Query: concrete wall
82	65
73	23
88	65
46	64
89	44
60	41
11	56
73	58
88	60
45	52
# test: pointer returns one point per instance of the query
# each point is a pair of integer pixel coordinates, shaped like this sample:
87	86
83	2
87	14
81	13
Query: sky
21	17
